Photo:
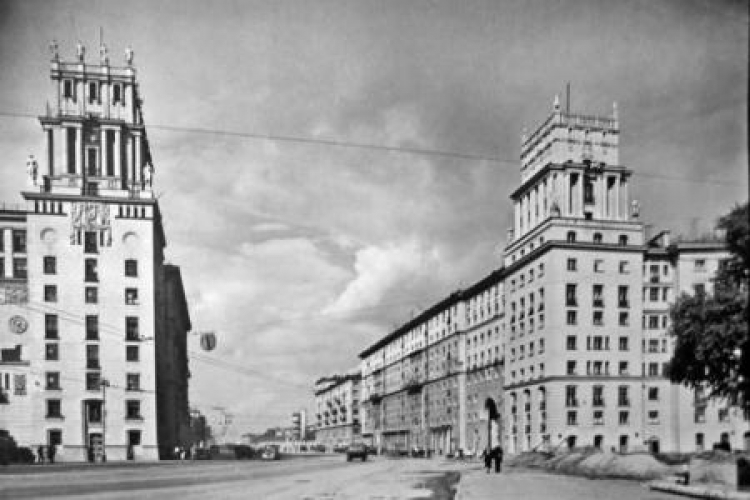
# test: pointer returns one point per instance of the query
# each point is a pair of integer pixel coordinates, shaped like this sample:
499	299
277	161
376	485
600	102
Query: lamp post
104	383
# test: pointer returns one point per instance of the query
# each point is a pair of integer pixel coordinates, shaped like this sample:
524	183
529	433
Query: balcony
414	385
375	398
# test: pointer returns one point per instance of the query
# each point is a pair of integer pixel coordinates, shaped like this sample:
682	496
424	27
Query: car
356	450
203	454
271	453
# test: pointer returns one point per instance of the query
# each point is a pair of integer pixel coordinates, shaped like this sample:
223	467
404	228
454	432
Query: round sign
18	324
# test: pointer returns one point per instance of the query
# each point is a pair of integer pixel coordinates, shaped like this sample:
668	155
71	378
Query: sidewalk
712	491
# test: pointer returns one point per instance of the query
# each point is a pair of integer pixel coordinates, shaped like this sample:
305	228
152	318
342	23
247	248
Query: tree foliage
711	329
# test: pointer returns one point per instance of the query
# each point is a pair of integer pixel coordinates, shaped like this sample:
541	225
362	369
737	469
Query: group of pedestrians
493	455
46	454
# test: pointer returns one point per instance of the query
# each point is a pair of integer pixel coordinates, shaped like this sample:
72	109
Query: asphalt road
319	478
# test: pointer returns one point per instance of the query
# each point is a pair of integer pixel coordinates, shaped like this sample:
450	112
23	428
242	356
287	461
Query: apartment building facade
337	409
89	304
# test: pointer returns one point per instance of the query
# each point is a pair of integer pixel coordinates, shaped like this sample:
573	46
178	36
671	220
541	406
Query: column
601	197
579	196
7	239
625	199
103	153
616	203
516	219
565	181
118	157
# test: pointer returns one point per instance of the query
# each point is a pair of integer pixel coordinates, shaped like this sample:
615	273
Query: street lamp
104	383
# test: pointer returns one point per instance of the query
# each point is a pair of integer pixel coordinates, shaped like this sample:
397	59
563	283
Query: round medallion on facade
18	324
49	235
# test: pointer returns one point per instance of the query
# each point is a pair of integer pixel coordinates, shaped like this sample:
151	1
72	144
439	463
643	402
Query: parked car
203	454
271	452
356	450
243	451
340	448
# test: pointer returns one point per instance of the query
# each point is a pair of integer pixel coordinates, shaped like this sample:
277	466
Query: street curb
714	493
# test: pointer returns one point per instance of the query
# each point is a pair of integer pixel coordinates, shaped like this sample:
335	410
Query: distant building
93	320
337	406
299	424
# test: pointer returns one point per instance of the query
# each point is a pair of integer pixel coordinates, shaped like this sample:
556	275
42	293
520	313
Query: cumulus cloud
378	269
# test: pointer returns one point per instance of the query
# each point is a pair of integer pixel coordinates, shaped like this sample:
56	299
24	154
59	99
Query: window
700	265
699	441
134	438
570	396
653	416
91	274
623	240
623	343
50	265
653	322
598	318
92	295
571	343
92	327
572	264
653	294
624	318
52	352
598	395
53	381
700	414
653	394
50	326
572	318
653	369
93	382
50	293
20	268
571	368
92	357
68	89
131	328
131	353
597	238
116	93
133	382
54	408
570	295
653	345
624	267
723	415
92	92
131	268
598	417
54	437
598	295
19	241
624	418
131	296
700	289
133	409
89	242
571	237
599	265
541	346
622	396
572	418
623	368
541	269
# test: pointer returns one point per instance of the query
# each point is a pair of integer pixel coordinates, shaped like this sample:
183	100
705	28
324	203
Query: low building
337	406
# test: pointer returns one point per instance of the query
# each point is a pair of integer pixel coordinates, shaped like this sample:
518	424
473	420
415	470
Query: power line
375	147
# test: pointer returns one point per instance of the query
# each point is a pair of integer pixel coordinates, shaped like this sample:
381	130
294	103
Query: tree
712	347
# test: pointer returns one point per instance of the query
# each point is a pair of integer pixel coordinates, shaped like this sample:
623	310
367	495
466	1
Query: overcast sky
300	255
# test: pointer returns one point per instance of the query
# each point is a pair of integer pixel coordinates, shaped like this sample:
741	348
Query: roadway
315	478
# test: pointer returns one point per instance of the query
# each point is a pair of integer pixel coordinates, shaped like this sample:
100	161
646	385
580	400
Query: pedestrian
40	454
193	451
487	455
498	453
52	452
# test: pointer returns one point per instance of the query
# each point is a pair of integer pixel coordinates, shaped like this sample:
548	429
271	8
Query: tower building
100	363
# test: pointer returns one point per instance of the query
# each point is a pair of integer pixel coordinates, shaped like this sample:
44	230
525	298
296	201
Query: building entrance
96	447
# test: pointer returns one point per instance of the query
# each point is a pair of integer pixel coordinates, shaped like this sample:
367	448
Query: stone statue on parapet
32	169
148	176
129	56
54	49
80	51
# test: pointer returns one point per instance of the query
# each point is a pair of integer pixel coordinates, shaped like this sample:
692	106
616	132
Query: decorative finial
635	209
103	54
53	48
129	56
80	51
557	102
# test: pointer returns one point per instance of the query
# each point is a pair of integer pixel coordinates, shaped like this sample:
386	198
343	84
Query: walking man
498	452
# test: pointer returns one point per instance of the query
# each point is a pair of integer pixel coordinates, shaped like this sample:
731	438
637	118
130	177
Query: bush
24	455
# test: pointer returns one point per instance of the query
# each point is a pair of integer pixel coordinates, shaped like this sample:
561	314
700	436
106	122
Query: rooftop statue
129	56
80	51
32	169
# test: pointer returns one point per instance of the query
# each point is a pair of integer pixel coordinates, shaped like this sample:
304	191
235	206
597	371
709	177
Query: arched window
571	236
597	238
